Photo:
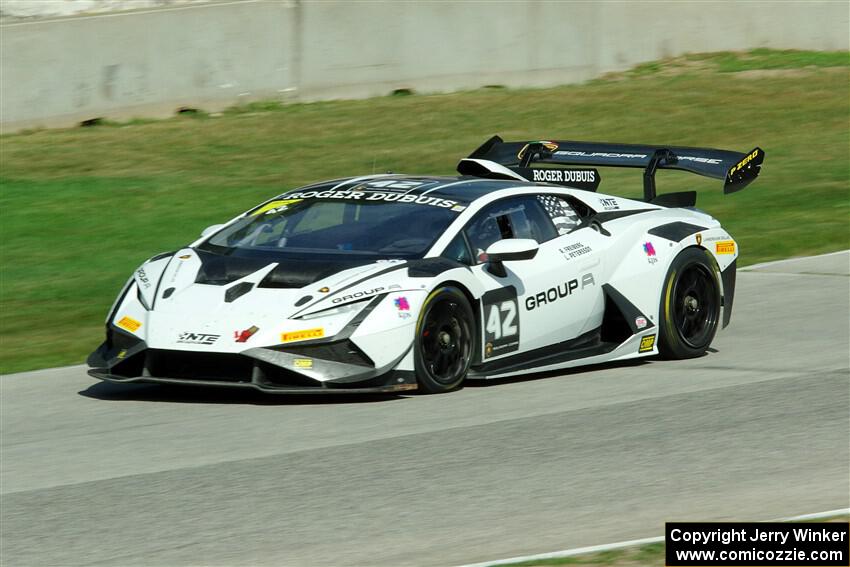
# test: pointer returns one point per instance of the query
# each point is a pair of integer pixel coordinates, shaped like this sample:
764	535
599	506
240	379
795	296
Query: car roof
465	189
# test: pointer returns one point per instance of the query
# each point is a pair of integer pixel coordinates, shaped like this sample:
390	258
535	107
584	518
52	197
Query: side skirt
619	330
584	346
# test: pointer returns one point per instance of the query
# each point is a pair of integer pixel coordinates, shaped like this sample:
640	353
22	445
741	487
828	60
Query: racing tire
690	305
445	341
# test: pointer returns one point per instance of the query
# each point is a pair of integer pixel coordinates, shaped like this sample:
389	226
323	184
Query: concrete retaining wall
151	62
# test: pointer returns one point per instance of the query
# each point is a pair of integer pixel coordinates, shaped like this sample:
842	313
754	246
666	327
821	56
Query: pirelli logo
129	324
304	335
743	163
725	247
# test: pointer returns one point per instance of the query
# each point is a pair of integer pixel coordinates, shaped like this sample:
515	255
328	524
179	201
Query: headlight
347	308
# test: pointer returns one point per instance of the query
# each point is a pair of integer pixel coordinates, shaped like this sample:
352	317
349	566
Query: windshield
400	230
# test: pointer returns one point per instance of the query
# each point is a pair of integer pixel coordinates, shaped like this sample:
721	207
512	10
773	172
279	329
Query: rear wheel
690	305
444	341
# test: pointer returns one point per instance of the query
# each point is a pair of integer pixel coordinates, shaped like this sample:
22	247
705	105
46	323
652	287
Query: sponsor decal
725	247
197	338
617	155
303	363
740	165
121	354
129	324
568	177
646	343
640	322
403	307
143	278
379	196
699	159
649	250
184	257
394	286
324	289
716	238
243	336
609	204
699	239
357	295
553	294
564	175
575	250
292	336
176	272
458	208
273	207
501	318
599	154
551	146
403	184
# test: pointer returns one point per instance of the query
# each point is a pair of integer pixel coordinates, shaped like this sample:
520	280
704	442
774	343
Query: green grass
758	59
81	208
736	62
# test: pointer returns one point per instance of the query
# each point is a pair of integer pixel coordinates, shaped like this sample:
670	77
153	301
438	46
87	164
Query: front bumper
324	368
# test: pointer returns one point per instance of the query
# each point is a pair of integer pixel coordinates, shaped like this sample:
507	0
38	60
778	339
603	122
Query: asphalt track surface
100	474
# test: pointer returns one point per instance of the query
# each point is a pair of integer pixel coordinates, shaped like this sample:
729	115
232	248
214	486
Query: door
546	300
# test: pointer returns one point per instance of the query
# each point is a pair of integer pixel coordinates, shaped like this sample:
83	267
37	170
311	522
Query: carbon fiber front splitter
392	385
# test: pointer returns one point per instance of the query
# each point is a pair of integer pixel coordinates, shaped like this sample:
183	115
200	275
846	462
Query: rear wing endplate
736	169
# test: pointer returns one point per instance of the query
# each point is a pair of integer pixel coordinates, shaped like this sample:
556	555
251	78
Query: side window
563	216
458	251
516	217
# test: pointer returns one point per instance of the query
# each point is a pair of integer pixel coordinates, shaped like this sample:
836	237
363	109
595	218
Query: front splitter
269	389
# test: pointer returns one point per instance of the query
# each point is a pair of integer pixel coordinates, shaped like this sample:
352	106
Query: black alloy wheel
690	305
444	341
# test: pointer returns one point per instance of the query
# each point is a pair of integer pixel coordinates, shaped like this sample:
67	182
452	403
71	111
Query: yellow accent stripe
274	205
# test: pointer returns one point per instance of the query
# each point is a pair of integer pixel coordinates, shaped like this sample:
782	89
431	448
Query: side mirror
211	229
510	249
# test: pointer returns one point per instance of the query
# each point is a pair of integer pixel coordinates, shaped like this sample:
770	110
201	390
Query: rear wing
736	169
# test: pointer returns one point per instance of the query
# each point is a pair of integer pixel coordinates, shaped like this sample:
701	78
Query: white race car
388	283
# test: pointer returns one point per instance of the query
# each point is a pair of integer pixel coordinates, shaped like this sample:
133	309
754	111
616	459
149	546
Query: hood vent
237	291
294	271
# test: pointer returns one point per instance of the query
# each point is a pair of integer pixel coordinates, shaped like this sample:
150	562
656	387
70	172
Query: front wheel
690	305
444	341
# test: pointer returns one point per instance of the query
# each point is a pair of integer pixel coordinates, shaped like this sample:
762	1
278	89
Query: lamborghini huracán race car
387	283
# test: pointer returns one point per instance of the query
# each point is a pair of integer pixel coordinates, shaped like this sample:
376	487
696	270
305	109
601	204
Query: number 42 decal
501	321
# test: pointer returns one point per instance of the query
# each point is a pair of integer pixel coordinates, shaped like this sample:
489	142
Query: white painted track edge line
795	275
816	515
633	542
775	262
